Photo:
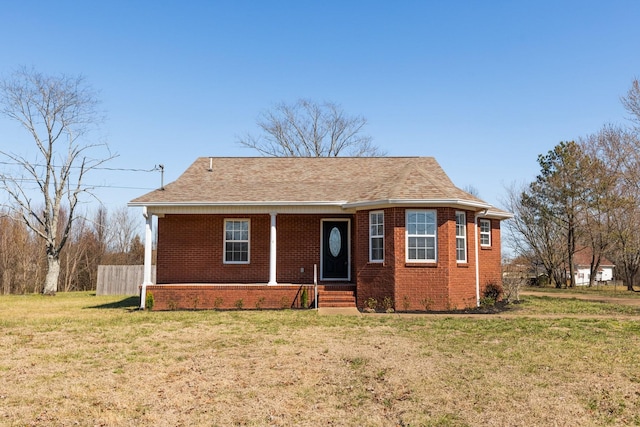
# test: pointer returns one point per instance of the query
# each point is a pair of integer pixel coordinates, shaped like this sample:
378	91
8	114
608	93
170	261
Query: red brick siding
491	258
462	281
374	280
443	285
299	246
422	285
194	297
190	249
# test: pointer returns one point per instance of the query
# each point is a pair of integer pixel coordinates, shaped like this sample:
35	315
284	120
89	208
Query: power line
31	180
155	168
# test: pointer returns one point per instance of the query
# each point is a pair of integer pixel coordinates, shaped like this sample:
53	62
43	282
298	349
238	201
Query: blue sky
483	86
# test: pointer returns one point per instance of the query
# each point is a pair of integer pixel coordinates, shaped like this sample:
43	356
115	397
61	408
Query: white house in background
582	262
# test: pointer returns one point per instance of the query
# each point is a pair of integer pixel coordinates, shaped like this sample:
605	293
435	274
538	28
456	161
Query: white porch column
148	246
272	251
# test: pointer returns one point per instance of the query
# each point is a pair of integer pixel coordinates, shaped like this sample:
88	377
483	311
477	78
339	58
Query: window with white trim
461	237
236	241
376	236
421	232
485	232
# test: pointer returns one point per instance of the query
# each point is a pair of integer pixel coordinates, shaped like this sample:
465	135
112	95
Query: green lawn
78	359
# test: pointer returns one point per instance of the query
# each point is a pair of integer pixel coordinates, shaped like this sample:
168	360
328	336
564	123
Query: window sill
421	264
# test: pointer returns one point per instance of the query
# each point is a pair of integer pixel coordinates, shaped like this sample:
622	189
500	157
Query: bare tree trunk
6	282
53	272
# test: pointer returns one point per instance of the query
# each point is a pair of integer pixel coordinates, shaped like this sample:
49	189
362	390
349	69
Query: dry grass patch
83	360
541	305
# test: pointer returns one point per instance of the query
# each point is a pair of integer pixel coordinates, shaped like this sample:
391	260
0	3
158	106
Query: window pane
431	229
236	241
485	232
376	249
430	242
237	251
461	254
421	229
431	254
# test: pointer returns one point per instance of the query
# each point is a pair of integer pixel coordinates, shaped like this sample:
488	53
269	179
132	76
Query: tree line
585	198
99	238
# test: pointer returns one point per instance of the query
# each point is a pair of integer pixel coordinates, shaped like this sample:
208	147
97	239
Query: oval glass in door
335	241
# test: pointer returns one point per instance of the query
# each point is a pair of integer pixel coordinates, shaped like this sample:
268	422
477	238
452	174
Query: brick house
258	232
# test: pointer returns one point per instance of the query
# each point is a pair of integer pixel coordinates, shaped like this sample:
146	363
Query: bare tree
310	129
619	151
21	263
535	235
123	228
57	112
603	195
631	102
472	190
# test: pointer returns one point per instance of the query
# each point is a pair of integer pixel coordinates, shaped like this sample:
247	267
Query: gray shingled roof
290	180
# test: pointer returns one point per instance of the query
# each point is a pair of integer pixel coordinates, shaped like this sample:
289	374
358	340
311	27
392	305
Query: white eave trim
272	203
498	215
419	202
333	207
243	207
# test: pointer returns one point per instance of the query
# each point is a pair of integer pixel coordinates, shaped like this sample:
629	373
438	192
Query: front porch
249	296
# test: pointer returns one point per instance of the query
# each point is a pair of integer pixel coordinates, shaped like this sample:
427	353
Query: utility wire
155	168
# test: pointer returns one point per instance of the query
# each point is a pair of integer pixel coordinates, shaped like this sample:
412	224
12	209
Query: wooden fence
121	279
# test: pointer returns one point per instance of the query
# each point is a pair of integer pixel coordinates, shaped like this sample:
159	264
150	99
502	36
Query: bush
406	302
387	304
487	302
371	304
304	298
149	301
426	303
492	292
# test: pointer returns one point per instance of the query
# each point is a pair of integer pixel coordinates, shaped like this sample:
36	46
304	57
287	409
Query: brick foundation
224	297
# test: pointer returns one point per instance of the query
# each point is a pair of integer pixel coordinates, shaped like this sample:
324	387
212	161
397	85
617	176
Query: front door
335	262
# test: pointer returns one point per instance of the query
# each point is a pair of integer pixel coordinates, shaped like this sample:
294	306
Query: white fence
121	279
